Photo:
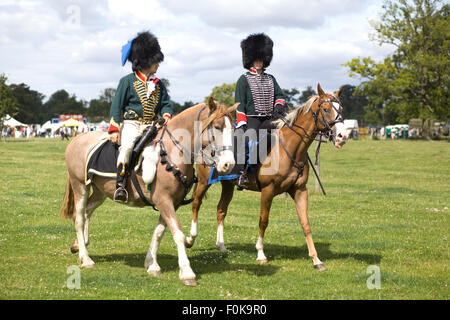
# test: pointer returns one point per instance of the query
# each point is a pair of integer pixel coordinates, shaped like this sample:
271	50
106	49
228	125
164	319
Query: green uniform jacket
131	103
257	95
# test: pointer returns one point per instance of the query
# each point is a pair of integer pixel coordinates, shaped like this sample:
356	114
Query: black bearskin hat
145	51
256	47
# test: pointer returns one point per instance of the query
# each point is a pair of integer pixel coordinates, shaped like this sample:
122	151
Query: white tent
49	125
11	122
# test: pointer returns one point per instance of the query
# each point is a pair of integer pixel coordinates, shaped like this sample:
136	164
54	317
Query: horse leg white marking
151	263
220	242
186	272
260	248
193	233
80	207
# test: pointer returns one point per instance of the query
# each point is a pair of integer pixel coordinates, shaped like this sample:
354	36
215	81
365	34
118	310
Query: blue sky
75	45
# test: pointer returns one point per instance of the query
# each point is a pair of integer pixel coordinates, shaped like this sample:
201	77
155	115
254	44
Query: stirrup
242	181
121	195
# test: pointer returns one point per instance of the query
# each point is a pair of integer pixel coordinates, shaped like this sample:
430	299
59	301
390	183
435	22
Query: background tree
61	102
414	81
354	106
305	95
224	94
8	103
29	102
99	108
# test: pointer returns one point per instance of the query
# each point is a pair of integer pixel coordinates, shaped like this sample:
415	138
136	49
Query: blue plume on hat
126	52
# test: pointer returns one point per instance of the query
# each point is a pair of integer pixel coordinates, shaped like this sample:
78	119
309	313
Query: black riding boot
121	195
242	181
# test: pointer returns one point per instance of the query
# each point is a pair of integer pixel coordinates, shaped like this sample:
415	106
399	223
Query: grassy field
387	205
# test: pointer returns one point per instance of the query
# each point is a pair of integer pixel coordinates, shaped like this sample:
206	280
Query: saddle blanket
102	161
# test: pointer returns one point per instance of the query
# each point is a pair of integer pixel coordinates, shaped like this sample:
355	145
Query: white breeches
130	131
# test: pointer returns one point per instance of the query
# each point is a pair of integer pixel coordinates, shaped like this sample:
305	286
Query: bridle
326	131
170	164
210	160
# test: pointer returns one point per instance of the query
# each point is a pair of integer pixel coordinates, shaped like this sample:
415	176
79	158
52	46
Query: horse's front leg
222	208
198	195
165	206
150	260
300	197
266	202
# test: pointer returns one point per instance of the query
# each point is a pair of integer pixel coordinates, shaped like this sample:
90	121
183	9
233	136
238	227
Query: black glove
278	111
243	127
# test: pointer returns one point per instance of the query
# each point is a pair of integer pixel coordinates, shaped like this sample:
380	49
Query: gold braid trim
148	105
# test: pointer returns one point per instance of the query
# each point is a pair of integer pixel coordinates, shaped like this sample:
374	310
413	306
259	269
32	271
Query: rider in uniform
259	94
139	100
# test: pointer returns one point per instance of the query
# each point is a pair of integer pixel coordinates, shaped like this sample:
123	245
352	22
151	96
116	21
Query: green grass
387	204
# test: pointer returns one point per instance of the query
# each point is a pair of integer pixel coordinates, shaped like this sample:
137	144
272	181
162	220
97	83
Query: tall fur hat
256	46
145	51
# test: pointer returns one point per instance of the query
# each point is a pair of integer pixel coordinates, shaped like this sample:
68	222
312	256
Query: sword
318	179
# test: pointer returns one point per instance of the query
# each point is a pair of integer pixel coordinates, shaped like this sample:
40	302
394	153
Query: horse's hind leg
300	197
95	200
222	208
150	260
81	193
198	195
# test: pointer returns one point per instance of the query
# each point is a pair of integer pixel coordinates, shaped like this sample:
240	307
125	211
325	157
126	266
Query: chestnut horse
321	114
168	188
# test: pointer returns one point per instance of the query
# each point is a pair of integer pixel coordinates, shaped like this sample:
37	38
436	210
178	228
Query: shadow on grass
203	263
275	251
213	261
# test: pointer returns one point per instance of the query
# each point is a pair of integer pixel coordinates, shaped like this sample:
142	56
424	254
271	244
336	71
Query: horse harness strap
137	186
297	164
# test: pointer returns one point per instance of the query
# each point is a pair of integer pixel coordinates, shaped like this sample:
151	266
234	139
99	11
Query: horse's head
218	135
328	116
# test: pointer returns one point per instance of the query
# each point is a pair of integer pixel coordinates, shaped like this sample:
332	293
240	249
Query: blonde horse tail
68	206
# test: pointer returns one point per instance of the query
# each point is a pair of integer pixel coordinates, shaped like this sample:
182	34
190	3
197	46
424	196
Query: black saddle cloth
102	160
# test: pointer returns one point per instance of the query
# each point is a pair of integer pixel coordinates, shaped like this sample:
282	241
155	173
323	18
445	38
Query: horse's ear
211	104
320	91
234	107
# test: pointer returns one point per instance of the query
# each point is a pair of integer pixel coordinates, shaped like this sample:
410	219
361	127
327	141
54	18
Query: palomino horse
322	113
167	189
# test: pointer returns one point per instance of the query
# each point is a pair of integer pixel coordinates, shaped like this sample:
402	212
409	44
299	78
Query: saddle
265	140
102	158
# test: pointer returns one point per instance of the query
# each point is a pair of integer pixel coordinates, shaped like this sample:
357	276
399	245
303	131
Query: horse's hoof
154	273
189	282
74	246
262	261
222	248
320	267
88	264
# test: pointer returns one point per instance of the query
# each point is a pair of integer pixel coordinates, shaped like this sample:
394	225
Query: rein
170	164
